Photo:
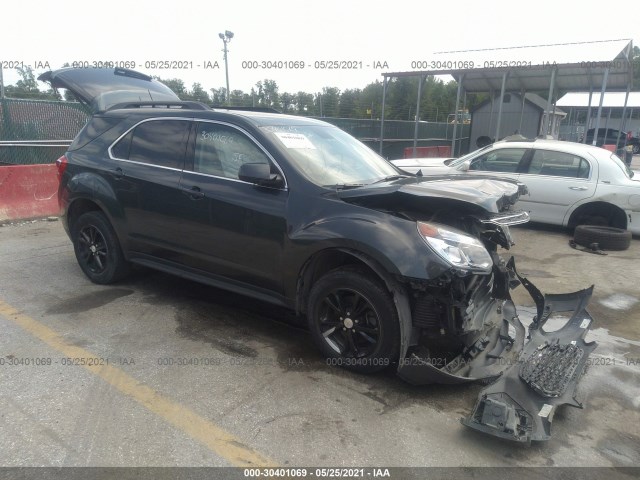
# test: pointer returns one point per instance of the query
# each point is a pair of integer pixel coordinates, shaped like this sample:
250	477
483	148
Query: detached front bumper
530	380
520	405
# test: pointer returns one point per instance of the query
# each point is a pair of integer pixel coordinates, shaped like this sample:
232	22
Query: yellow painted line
216	439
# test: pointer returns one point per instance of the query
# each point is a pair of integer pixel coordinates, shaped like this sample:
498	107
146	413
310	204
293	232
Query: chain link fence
37	131
398	134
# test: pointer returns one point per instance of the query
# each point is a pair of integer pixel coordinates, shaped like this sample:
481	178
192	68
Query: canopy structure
611	100
599	65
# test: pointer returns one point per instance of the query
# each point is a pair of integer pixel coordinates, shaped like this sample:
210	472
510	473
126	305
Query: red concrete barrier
28	191
428	152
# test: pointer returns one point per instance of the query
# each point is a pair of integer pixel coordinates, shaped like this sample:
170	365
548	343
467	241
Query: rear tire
97	249
353	320
608	238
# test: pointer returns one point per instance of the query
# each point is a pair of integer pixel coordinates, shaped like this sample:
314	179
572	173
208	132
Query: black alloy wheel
97	248
92	249
353	320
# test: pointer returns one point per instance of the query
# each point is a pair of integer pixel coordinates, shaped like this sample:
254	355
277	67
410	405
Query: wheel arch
79	206
616	215
326	260
329	259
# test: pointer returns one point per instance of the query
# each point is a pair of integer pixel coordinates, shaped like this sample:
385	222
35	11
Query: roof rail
250	109
186	105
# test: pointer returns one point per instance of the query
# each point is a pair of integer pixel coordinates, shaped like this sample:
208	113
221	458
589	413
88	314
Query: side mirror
465	166
260	174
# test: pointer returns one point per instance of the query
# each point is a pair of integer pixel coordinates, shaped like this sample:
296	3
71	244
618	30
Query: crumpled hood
491	194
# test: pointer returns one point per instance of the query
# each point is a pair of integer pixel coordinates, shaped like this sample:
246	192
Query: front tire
353	320
97	249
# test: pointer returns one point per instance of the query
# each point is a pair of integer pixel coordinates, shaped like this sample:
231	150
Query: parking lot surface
159	371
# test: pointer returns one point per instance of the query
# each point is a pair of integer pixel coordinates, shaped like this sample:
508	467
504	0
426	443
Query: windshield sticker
295	140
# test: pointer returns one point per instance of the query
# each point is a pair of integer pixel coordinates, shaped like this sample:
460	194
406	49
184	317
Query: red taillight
61	163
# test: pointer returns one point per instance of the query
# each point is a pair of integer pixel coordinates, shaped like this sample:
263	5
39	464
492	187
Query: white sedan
569	183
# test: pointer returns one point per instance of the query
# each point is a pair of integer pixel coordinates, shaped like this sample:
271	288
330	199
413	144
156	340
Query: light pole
226	38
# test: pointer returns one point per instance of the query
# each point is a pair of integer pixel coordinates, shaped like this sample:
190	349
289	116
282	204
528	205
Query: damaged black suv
387	268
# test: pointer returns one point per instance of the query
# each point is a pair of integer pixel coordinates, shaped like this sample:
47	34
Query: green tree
287	101
349	106
371	100
198	94
305	104
27	87
328	101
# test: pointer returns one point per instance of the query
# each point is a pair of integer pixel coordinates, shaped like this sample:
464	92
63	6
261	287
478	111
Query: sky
373	36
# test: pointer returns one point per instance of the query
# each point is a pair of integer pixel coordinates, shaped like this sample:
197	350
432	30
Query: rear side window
220	150
558	164
96	126
156	142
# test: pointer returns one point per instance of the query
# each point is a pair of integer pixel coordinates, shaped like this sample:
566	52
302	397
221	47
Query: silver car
569	183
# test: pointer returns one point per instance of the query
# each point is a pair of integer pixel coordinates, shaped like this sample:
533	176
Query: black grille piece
426	313
550	369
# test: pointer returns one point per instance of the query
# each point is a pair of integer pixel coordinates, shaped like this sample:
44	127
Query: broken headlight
457	248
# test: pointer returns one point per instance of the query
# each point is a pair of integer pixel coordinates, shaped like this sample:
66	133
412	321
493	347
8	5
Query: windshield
623	166
459	161
329	157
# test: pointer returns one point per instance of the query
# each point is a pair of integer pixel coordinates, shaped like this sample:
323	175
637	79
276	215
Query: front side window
221	150
505	160
558	164
156	142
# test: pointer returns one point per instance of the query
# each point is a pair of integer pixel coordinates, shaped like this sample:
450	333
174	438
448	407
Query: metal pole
491	111
504	82
226	38
547	112
226	69
570	118
623	120
606	123
415	130
384	98
1	83
455	122
588	120
596	131
522	94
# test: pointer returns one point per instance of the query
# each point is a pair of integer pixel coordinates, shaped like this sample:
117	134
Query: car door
556	181
501	162
235	229
146	167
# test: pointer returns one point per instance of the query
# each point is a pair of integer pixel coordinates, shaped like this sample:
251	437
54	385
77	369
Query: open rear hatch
101	88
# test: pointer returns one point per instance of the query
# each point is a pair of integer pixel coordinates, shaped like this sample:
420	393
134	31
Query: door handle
194	192
579	189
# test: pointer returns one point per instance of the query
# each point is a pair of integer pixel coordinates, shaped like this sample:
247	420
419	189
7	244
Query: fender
400	298
95	188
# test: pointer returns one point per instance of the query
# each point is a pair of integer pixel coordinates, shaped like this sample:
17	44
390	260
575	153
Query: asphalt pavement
159	371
